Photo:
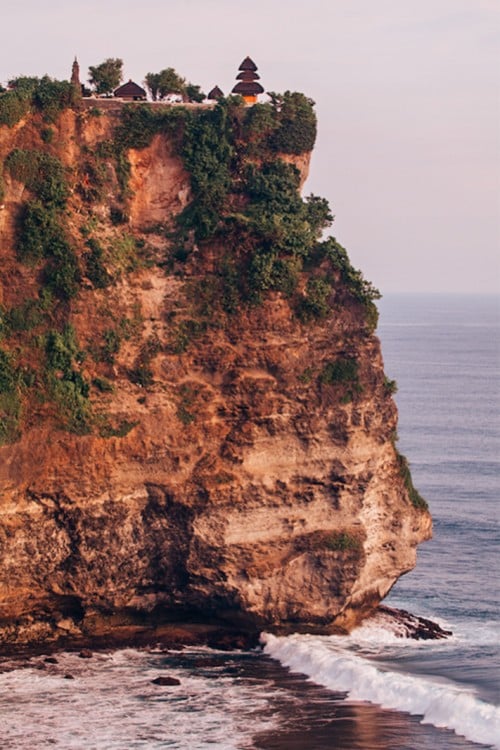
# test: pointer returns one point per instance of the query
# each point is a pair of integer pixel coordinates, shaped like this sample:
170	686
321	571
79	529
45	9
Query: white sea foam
112	704
332	665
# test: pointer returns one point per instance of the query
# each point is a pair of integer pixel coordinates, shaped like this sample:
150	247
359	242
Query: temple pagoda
247	78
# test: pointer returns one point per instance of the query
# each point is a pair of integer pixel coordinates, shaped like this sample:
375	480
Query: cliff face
231	469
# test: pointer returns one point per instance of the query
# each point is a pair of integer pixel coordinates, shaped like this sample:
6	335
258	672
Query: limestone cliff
175	443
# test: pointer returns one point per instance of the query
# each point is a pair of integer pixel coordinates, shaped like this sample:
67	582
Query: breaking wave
328	661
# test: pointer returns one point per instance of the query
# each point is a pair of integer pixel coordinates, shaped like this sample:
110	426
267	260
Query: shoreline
213	635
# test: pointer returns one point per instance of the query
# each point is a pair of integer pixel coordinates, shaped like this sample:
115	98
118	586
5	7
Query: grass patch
119	430
187	398
343	541
42	173
95	269
341	370
314	305
142	374
404	469
66	385
186	332
103	385
10	403
390	386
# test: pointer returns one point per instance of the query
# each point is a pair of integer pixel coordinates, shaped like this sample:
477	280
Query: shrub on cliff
10	404
343	541
360	288
297	125
47	95
62	273
138	125
363	290
206	154
26	316
41	236
94	265
315	302
13	107
42	173
66	385
51	97
341	370
416	498
287	125
38	229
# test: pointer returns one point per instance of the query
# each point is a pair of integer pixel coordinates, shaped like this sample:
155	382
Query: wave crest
443	705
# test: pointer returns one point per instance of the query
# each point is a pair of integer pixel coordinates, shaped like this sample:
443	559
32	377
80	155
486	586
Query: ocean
370	690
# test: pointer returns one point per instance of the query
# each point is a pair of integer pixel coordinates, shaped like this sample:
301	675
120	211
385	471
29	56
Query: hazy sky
407	95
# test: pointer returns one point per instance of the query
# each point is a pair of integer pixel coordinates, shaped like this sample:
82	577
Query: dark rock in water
85	653
405	625
231	640
68	677
50	660
166	681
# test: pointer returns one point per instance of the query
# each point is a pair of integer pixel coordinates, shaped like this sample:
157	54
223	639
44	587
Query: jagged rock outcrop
236	483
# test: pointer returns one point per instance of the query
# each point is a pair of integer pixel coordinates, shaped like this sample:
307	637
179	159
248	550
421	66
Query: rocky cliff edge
180	444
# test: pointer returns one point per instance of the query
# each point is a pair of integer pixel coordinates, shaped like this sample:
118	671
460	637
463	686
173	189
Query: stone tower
75	77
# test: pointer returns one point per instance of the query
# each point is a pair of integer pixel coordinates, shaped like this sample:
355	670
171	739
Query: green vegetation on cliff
245	211
44	95
10	403
416	498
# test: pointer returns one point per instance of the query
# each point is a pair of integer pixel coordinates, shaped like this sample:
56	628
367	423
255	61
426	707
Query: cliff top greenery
29	93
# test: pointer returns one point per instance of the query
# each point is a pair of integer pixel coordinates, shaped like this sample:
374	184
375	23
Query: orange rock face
236	485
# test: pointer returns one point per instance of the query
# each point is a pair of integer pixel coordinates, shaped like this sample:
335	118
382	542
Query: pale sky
407	94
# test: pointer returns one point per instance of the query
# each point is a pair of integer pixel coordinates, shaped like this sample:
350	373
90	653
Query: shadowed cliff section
195	423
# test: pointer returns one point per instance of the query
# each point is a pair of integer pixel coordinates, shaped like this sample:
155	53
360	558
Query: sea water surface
368	691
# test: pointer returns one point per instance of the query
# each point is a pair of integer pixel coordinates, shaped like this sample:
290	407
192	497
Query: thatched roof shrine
130	91
215	93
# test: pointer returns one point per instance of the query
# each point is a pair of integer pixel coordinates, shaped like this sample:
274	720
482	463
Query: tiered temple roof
248	87
248	64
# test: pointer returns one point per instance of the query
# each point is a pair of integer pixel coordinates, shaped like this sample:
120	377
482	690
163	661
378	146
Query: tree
170	82
194	93
152	83
106	76
165	82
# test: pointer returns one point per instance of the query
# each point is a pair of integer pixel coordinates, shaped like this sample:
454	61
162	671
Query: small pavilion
215	94
247	78
130	92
